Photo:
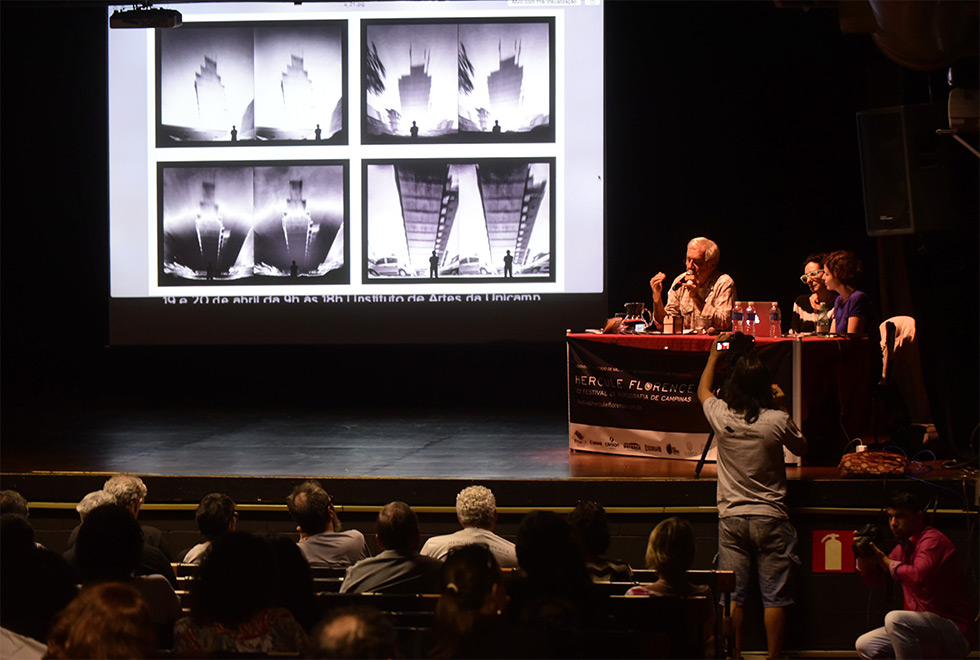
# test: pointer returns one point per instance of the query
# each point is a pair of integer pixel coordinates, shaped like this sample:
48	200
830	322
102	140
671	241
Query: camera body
737	345
863	538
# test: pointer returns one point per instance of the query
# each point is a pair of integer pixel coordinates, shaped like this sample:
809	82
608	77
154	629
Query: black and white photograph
474	82
253	224
274	83
431	220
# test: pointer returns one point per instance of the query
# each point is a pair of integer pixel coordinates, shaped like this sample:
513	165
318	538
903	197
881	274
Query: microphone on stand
680	282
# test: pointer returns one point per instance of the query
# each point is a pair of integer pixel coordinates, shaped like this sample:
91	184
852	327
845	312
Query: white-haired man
701	291
476	510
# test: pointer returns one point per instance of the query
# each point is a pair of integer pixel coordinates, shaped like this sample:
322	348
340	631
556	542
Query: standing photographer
938	620
751	426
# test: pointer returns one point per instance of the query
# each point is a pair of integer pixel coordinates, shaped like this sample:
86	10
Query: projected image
438	220
272	83
253	224
457	82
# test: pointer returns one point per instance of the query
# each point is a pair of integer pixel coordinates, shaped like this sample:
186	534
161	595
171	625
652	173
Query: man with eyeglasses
807	305
701	292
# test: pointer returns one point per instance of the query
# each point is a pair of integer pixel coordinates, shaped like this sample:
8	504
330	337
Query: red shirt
932	578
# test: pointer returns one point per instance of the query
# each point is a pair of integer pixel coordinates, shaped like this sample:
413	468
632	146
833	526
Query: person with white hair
702	291
476	510
93	500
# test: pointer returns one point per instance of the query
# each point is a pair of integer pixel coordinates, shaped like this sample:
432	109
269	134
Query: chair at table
900	407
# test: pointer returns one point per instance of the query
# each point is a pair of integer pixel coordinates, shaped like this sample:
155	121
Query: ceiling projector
148	17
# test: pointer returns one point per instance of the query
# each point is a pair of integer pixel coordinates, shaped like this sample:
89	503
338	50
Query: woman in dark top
853	312
806	307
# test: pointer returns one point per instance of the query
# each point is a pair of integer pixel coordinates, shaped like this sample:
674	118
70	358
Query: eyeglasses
809	276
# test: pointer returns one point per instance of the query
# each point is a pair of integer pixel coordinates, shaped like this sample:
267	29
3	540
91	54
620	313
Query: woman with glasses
805	307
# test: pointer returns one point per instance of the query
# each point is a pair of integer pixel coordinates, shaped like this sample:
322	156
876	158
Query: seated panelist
701	291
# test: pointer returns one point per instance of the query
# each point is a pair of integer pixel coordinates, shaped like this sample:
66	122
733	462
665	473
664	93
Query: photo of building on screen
478	82
437	220
251	85
263	224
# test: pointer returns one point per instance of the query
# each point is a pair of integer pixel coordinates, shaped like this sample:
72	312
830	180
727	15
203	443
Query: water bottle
750	319
737	316
823	320
775	321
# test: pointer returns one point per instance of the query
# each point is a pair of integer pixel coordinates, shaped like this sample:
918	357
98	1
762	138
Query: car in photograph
474	266
389	267
539	265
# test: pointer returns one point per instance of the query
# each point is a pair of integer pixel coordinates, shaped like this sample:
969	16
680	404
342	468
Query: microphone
680	282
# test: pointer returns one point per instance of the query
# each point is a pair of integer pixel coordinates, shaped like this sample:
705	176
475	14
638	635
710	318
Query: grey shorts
763	546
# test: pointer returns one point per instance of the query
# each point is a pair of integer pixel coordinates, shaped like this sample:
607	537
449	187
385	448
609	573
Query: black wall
726	119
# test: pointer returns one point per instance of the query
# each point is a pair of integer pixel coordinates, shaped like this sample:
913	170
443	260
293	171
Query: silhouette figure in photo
317	133
496	127
434	266
234	133
414	130
508	265
209	273
294	270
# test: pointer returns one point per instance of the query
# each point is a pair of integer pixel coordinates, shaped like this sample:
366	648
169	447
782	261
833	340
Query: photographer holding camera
938	621
751	426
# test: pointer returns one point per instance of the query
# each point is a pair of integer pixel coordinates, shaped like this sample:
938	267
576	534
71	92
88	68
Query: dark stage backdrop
726	119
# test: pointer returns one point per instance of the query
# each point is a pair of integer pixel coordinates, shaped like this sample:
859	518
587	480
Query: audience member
469	619
670	552
324	542
106	620
233	611
555	593
354	632
91	501
398	568
215	516
701	291
807	306
296	590
751	427
938	620
476	510
853	312
110	549
129	492
35	584
13	502
590	530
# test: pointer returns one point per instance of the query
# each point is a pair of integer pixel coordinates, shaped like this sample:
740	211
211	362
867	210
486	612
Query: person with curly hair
105	620
476	510
853	311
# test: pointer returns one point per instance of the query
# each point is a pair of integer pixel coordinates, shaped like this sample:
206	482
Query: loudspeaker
905	169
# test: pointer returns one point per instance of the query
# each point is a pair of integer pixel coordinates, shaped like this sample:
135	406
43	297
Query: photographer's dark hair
903	499
749	388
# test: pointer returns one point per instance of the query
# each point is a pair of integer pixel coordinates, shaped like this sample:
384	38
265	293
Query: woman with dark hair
469	618
232	609
105	620
590	530
751	427
807	306
853	312
215	516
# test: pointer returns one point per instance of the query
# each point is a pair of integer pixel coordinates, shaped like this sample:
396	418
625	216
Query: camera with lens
737	345
863	538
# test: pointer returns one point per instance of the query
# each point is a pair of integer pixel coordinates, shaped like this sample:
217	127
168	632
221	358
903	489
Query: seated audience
476	510
807	306
215	516
469	619
93	500
296	589
701	291
13	502
324	542
354	632
35	584
106	620
398	568
590	530
233	610
853	312
555	593
670	552
109	549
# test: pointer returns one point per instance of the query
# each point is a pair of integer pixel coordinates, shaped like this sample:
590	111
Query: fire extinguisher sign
832	551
